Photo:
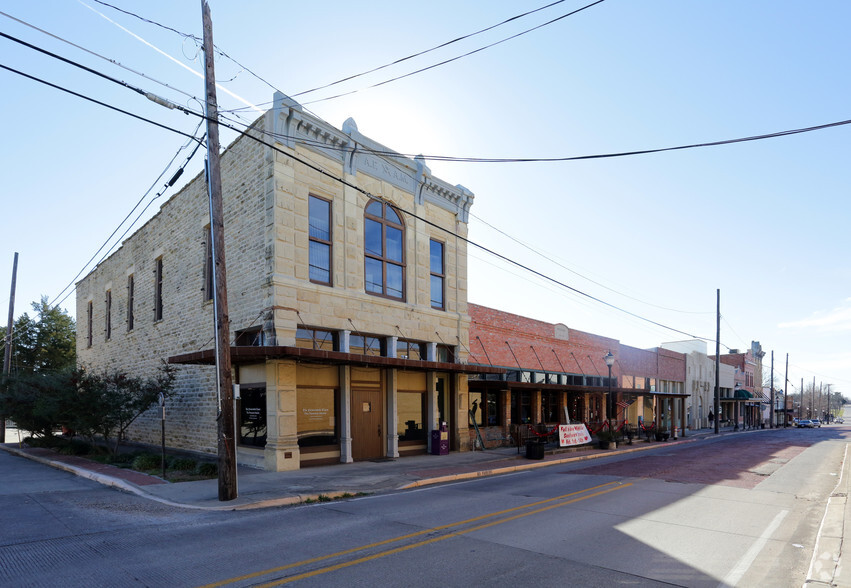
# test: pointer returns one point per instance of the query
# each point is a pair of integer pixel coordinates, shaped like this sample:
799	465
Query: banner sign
573	435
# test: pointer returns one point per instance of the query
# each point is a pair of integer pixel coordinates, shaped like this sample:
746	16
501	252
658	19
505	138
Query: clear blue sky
657	234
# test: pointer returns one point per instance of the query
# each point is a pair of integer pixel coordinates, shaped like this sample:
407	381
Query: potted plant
606	439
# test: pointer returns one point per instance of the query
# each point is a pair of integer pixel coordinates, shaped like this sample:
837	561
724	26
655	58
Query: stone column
431	406
345	414
462	416
281	452
391	416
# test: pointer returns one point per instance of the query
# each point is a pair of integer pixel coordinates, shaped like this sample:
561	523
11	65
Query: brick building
347	301
554	373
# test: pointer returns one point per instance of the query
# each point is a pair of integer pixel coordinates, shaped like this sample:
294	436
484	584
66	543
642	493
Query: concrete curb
318	496
826	566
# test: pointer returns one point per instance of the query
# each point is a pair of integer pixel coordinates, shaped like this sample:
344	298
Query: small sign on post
162	409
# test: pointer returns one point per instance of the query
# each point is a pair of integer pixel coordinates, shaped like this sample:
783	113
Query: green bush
208	469
147	461
75	447
182	464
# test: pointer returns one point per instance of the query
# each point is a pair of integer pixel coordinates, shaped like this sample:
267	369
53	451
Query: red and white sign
573	435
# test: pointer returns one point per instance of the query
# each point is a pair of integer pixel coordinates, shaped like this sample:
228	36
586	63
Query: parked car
816	423
838	421
805	424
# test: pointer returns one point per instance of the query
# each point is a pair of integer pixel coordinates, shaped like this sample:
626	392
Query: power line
456	58
165	187
576	273
425	157
98	102
98	55
330	175
420	53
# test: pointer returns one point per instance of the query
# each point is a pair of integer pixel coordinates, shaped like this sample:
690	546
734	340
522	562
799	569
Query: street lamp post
610	405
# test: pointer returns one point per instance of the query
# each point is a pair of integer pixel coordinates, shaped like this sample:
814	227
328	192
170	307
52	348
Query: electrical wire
344	182
420	53
456	58
98	55
576	273
543	276
165	187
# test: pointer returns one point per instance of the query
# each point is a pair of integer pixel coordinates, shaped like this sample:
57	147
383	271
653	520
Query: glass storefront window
252	416
411	416
316	416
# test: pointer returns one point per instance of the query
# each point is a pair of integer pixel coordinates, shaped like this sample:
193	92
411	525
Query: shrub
75	447
208	469
182	464
147	461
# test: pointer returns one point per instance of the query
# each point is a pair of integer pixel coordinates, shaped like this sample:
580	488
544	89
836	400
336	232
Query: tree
92	404
42	344
107	403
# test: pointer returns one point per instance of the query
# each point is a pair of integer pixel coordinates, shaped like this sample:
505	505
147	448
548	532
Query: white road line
747	559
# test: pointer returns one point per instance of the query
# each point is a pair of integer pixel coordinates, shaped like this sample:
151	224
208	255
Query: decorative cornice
359	153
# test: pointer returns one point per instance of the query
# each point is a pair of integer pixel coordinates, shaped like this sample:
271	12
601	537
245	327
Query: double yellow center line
544	505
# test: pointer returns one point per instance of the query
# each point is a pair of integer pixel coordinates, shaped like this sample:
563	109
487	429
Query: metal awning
255	354
483	385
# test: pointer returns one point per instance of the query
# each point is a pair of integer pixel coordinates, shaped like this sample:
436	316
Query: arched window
384	251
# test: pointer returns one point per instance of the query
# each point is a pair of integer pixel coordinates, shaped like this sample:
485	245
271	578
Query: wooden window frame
312	239
383	258
439	275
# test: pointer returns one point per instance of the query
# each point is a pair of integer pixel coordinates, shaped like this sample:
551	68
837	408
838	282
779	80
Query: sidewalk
258	489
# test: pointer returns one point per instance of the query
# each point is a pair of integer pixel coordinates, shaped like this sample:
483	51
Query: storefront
301	407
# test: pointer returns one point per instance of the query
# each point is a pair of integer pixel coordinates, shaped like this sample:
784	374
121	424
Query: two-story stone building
346	268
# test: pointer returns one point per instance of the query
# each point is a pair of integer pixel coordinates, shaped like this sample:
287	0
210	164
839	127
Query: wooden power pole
773	413
226	437
7	356
718	361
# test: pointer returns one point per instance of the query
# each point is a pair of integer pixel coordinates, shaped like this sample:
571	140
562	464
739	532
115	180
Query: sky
635	247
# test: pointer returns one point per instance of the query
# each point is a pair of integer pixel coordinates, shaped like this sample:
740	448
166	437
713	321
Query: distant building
553	373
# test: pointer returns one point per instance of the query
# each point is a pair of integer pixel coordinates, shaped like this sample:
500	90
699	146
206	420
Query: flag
624	404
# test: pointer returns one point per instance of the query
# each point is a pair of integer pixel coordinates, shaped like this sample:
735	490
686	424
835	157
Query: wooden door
367	420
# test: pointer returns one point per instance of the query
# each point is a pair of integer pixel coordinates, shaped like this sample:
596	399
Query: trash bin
440	441
534	449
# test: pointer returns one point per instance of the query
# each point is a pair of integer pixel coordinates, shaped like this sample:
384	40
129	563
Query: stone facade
267	190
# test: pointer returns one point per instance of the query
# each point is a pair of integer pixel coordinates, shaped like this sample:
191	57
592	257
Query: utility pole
7	356
813	399
786	393
225	425
827	417
772	416
718	360
801	403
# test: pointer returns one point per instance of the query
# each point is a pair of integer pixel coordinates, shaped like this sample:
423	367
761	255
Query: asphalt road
738	511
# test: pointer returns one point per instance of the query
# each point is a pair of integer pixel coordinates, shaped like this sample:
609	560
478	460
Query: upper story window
89	321
364	345
158	290
315	339
410	350
131	293
384	251
320	240
438	275
108	314
445	354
